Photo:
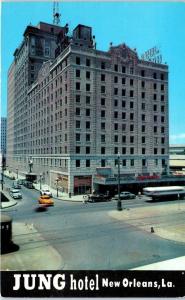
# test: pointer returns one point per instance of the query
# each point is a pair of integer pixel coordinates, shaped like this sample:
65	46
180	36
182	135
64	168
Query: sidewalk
34	253
9	203
146	217
61	196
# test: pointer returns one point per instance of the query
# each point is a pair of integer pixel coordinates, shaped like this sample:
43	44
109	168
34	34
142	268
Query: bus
165	192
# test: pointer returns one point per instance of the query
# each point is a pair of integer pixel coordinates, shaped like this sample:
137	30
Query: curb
9	205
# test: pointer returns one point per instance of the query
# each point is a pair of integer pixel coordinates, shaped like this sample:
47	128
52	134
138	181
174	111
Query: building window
78	98
143	140
123	92
123	103
155	86
131	94
123	115
88	62
115	91
132	127
87	112
88	163
123	80
132	162
103	138
143	128
124	139
143	95
102	77
77	111
88	137
155	129
155	107
102	89
123	150
155	75
162	97
88	99
115	126
132	150
143	106
123	69
77	124
77	149
102	113
87	150
103	163
131	105
162	119
88	75
131	116
78	60
103	65
102	150
144	162
143	73
116	114
162	76
124	162
115	79
88	125
77	137
131	82
115	150
116	138
88	87
154	96
155	151
77	86
102	126
115	102
102	101
131	139
78	163
77	73
116	68
143	84
155	118
143	150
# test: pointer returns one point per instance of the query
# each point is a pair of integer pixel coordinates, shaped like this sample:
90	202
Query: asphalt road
87	237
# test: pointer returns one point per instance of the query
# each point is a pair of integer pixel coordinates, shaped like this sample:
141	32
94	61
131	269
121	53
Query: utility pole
3	165
119	206
56	13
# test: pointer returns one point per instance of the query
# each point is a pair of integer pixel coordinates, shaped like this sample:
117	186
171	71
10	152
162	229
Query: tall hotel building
73	109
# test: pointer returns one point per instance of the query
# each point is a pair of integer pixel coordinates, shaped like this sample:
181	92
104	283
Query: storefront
82	184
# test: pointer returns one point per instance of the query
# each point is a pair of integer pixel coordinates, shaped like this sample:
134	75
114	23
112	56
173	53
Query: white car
15	193
46	192
125	195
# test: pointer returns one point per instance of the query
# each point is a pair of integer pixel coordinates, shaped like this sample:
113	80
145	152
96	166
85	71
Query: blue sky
140	25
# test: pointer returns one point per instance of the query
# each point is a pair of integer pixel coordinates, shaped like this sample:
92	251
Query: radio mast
56	13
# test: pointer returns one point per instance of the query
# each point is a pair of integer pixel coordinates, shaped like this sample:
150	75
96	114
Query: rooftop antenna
56	13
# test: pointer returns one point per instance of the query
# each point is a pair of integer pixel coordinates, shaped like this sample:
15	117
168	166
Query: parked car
28	184
16	185
46	200
125	196
21	181
15	193
98	198
46	192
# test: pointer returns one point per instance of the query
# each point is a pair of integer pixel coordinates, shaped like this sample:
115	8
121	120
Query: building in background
3	127
177	159
75	109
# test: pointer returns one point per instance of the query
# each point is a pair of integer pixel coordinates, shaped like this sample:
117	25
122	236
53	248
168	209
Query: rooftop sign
153	55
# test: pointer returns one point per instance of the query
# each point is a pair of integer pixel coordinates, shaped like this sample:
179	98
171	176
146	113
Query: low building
177	159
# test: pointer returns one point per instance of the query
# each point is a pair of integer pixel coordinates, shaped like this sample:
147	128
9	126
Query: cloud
179	136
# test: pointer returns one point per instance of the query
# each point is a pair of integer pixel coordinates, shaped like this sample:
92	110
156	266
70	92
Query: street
95	236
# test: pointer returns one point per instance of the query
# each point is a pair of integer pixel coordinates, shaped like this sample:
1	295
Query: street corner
34	252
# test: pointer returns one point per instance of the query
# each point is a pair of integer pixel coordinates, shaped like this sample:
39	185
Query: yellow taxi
46	200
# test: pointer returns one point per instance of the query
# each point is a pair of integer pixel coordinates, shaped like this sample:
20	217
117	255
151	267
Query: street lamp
119	206
57	180
17	170
40	182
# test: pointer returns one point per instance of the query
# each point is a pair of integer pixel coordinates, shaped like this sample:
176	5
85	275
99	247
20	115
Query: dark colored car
28	184
98	198
125	196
